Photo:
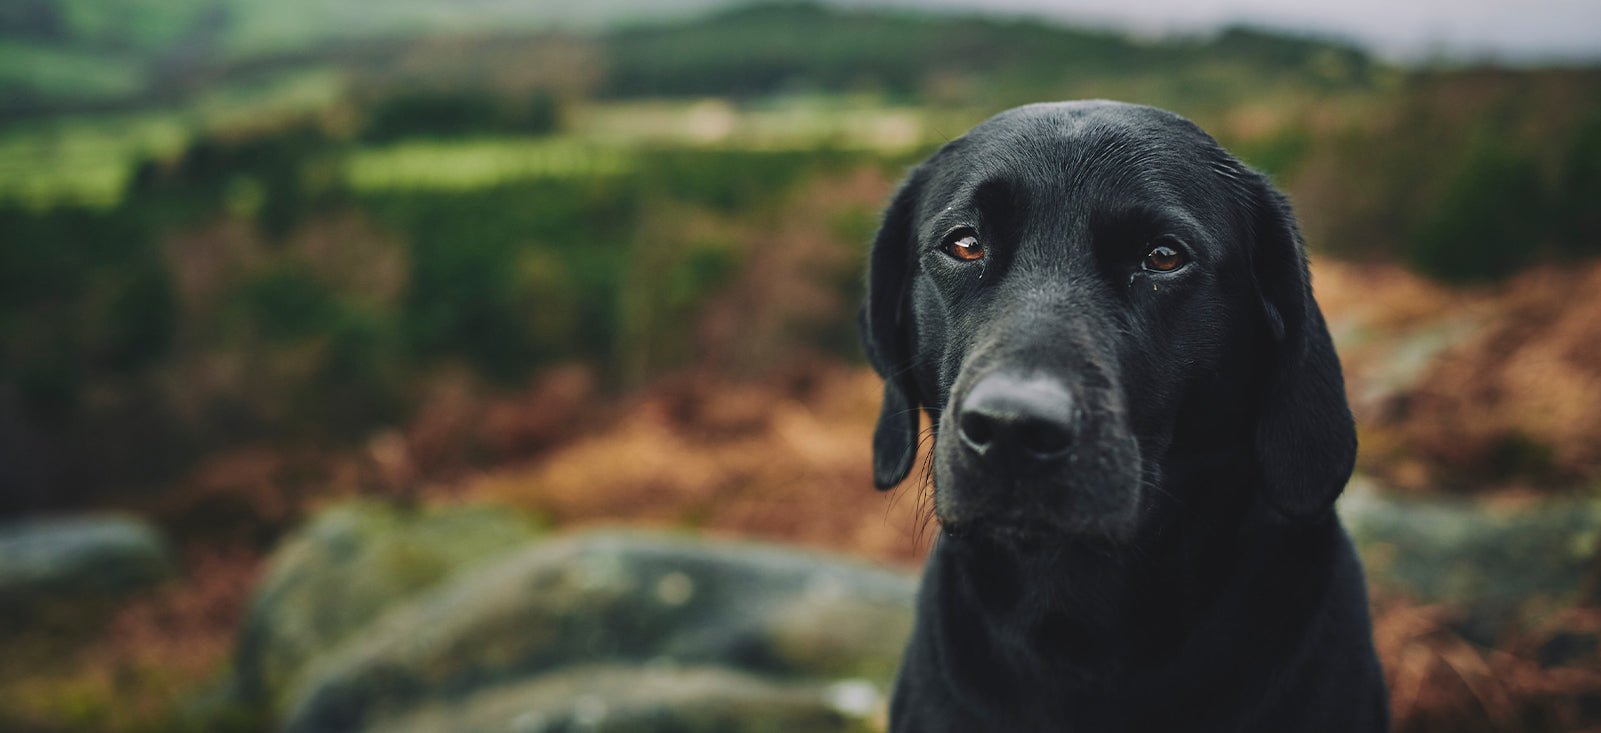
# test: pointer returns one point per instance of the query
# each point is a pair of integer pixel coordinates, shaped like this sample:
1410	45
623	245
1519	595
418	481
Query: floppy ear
885	323
1305	436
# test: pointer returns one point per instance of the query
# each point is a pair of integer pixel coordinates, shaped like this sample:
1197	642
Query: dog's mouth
1015	530
1091	513
1088	506
1028	537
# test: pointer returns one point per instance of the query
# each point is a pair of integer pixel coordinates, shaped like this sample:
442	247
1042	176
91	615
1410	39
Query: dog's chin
972	505
1033	533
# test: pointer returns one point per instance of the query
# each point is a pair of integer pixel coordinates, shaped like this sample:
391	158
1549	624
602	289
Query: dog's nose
1019	422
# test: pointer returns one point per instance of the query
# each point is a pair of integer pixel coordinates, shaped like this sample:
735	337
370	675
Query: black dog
1141	428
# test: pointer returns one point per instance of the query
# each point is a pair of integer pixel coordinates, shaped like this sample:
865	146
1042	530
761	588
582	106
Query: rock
783	624
47	564
1499	565
339	573
660	698
1404	360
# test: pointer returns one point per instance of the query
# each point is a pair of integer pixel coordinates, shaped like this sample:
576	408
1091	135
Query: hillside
63	56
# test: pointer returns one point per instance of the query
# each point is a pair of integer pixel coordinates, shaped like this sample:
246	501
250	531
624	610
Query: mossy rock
1501	566
785	616
662	698
66	571
344	569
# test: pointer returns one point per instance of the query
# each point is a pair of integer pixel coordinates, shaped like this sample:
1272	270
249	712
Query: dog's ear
886	327
1305	436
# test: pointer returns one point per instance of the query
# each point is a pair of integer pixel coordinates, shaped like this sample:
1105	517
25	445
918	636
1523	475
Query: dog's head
1089	298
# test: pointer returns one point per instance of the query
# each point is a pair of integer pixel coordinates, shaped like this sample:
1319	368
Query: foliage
1488	223
441	114
1278	154
772	48
1578	189
149	51
235	252
1503	209
79	291
1466	176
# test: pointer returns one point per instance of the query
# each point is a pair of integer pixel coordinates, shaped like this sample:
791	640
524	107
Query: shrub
1491	221
447	114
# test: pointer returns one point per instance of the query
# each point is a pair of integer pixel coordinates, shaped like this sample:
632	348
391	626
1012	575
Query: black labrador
1140	431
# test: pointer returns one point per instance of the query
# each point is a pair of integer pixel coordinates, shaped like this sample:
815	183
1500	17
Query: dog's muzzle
1024	452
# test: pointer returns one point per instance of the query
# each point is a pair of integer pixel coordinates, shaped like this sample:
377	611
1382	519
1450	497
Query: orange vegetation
786	460
1480	388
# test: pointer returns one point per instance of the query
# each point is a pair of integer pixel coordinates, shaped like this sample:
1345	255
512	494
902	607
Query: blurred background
315	315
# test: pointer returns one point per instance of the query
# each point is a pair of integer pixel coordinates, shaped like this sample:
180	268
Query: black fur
1167	557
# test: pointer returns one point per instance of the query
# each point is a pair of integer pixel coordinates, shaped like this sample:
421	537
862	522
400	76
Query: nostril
978	430
1044	438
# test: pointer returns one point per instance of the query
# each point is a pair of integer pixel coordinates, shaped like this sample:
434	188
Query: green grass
462	165
59	73
88	159
82	161
266	102
142	24
782	123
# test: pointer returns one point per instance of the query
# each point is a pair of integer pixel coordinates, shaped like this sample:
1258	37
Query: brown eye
963	245
1163	258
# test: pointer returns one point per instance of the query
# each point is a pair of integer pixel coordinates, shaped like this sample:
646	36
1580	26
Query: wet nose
1018	422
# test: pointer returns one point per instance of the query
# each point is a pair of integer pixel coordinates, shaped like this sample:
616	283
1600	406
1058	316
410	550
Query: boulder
1500	564
657	698
611	612
54	564
335	576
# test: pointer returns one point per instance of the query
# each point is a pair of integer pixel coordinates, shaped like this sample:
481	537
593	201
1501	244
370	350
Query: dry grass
1548	679
786	460
139	664
1496	387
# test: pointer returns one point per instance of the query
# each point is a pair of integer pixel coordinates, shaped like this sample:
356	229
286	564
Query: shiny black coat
1147	541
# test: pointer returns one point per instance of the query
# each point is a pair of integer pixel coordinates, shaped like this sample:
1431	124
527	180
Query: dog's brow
950	217
970	205
1133	224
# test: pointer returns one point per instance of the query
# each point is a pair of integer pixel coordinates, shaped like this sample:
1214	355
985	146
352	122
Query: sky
1532	30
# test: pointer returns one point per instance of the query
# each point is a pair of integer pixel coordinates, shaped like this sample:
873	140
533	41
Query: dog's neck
1108	617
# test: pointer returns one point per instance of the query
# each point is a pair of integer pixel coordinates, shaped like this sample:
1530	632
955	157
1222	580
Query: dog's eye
1163	258
963	244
